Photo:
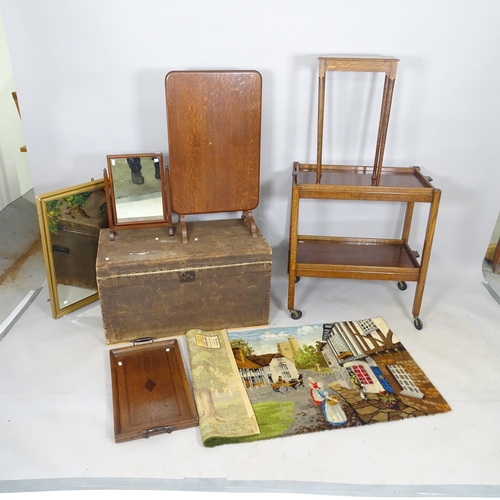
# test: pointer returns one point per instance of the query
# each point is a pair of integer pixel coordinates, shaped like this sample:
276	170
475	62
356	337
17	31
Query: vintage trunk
151	284
151	392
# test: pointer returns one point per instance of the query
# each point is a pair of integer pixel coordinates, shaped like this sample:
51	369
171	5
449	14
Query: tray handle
143	340
157	430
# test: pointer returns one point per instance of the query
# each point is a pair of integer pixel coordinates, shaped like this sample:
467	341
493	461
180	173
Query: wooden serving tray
151	392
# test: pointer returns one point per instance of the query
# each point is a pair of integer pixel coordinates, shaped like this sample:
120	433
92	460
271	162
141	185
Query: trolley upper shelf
356	182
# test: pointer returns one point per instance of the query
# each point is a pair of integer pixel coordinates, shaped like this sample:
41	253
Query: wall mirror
70	221
137	191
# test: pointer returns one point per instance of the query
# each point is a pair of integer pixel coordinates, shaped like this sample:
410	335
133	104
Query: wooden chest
151	284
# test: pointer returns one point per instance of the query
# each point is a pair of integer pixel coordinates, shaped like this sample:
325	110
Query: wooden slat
386	65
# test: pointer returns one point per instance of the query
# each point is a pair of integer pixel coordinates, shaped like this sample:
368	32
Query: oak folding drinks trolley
360	258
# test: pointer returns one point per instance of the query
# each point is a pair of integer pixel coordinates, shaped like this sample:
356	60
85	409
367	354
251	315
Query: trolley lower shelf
356	258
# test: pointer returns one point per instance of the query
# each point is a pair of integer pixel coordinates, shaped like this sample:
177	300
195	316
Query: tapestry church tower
289	349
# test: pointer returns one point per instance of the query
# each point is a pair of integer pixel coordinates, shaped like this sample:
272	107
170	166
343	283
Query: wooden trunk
151	392
150	284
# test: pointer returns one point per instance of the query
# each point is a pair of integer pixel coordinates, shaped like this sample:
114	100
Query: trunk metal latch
187	276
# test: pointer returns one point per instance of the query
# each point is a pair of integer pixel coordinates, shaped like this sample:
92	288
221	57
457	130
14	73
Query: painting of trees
309	356
243	345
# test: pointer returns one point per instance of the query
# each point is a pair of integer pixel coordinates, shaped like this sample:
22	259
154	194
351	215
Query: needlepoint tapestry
266	383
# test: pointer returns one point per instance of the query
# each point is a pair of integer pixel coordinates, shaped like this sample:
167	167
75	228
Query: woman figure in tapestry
314	391
330	405
333	412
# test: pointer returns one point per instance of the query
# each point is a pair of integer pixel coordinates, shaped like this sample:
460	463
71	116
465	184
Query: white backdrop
90	79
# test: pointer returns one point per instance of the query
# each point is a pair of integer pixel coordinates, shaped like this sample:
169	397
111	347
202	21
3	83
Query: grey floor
21	261
56	425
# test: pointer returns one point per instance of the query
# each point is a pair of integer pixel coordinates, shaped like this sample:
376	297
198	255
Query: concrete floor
22	268
56	424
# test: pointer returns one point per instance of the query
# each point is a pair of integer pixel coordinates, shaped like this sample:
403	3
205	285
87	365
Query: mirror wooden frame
43	204
111	199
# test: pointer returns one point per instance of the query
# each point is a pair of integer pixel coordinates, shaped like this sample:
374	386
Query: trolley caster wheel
402	285
297	279
418	323
295	314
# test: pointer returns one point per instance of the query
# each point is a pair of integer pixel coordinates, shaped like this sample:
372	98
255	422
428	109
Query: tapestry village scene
319	377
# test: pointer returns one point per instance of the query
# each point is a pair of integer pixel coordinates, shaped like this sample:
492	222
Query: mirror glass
491	263
70	221
137	188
